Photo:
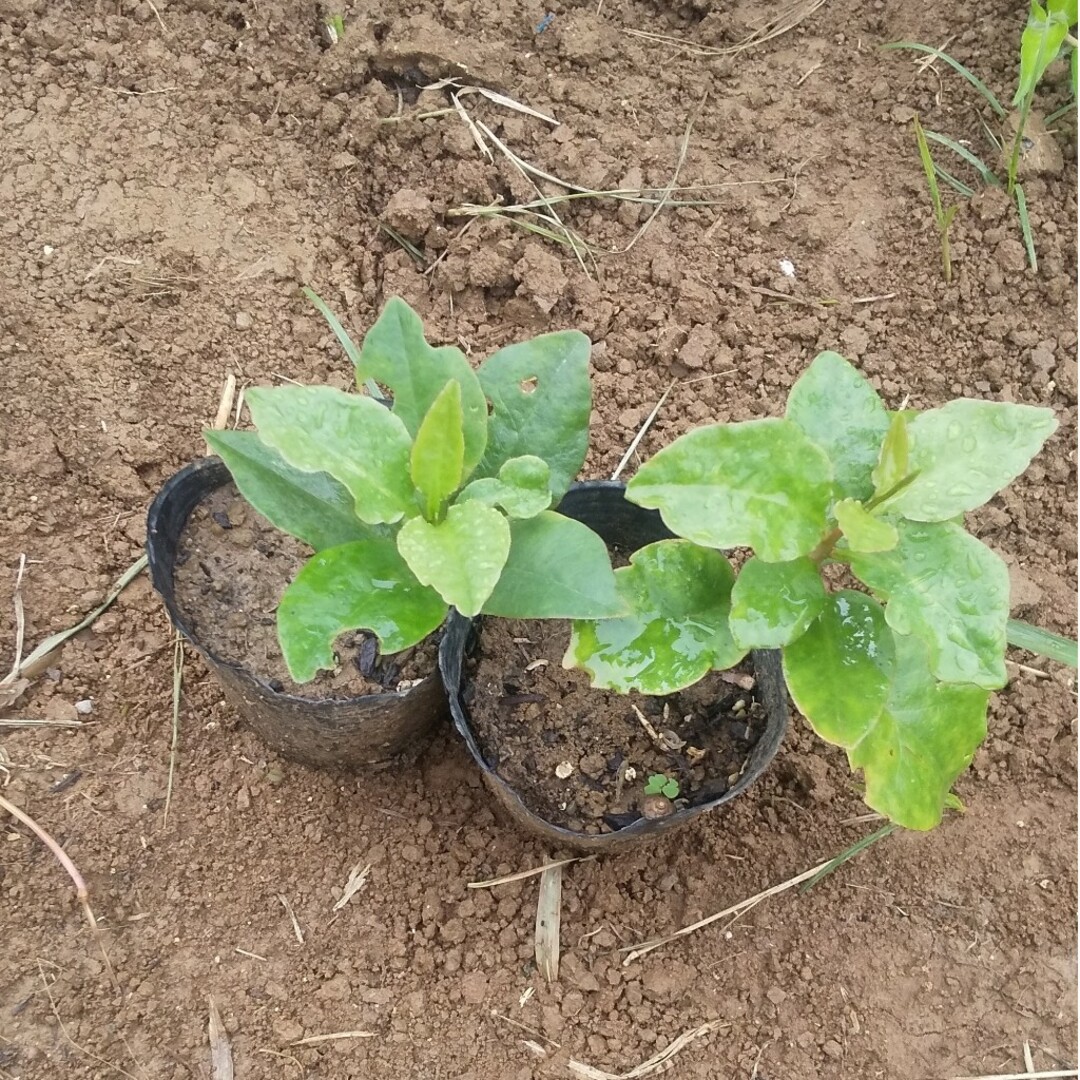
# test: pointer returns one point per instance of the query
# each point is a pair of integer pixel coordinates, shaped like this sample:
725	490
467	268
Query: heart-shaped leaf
949	589
522	488
540	403
354	439
679	598
839	410
364	585
311	506
461	557
558	568
966	451
396	354
863	531
761	484
773	603
438	453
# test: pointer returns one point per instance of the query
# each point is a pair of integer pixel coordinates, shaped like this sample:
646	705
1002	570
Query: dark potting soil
231	569
580	757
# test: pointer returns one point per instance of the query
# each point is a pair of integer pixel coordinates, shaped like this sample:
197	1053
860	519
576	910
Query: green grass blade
975	81
844	856
957	185
1035	639
1057	114
1025	226
973	160
929	170
351	351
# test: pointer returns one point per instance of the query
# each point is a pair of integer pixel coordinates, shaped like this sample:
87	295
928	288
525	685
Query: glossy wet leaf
353	438
840	411
311	506
966	451
839	672
461	557
923	739
438	452
396	354
760	484
557	568
862	530
950	590
892	463
540	398
679	598
364	585
522	488
772	604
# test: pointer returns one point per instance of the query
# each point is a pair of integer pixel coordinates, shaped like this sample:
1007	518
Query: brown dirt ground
165	186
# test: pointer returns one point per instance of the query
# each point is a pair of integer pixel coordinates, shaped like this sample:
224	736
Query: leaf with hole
382	596
461	557
838	409
354	439
312	506
396	354
951	591
677	631
541	399
557	568
761	484
966	451
773	603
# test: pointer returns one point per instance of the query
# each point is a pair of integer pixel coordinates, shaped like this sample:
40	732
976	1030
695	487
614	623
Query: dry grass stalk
225	405
1051	1074
15	722
292	916
357	880
657	1063
177	691
548	923
221	1059
625	460
314	1040
521	875
77	879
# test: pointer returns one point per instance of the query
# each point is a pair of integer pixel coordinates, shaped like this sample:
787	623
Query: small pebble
243	320
86	706
563	769
657	806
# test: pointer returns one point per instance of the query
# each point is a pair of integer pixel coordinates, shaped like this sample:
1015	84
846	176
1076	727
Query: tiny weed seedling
334	28
443	499
897	667
659	784
1044	38
943	216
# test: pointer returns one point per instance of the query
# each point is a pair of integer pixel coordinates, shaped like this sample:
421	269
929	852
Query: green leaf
396	354
840	411
679	598
313	507
1023	635
522	488
773	603
761	484
366	586
558	568
840	671
438	452
354	439
923	739
541	399
966	451
871	691
862	530
1040	44
951	591
461	557
892	463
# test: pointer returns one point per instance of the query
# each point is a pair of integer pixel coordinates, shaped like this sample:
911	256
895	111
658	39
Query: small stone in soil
657	806
563	770
222	519
367	657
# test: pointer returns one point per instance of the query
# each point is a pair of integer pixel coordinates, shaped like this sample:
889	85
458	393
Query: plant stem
825	548
1014	157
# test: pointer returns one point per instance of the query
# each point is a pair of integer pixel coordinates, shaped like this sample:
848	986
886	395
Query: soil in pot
566	748
231	569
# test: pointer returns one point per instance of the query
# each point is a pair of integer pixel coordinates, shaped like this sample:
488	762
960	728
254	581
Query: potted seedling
438	496
891	618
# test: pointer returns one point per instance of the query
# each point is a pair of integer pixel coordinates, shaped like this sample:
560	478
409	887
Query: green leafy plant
896	664
1045	37
443	499
659	784
942	215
